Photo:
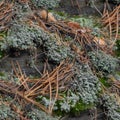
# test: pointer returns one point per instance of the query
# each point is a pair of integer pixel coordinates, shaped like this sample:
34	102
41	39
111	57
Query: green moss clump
80	106
105	82
1	54
69	103
59	15
83	21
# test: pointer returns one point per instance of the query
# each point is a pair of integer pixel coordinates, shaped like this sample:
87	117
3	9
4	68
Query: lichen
46	4
85	83
36	114
23	37
103	62
56	52
7	113
112	106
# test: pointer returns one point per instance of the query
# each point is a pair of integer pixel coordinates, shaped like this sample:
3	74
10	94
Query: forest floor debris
74	61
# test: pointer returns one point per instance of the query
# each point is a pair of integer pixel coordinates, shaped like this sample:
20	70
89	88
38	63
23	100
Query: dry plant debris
79	34
115	88
50	84
6	14
112	22
56	81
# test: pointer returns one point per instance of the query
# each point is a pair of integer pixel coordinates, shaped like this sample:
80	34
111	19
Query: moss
117	51
2	34
105	82
70	103
77	109
80	106
63	14
60	15
2	74
1	54
87	21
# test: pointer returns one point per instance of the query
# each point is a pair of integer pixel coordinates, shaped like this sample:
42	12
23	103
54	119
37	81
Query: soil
25	60
83	8
87	115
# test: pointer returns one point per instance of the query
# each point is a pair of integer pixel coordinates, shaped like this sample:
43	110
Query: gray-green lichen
7	114
56	52
23	37
36	114
85	83
21	10
112	106
65	104
103	62
46	3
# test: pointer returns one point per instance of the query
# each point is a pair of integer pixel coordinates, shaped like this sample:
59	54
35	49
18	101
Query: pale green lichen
56	52
36	114
7	114
23	37
103	62
112	106
46	3
85	83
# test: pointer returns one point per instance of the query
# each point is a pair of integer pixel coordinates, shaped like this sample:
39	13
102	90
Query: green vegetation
81	106
105	82
117	51
111	105
103	62
22	38
46	4
89	72
7	113
1	54
36	114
